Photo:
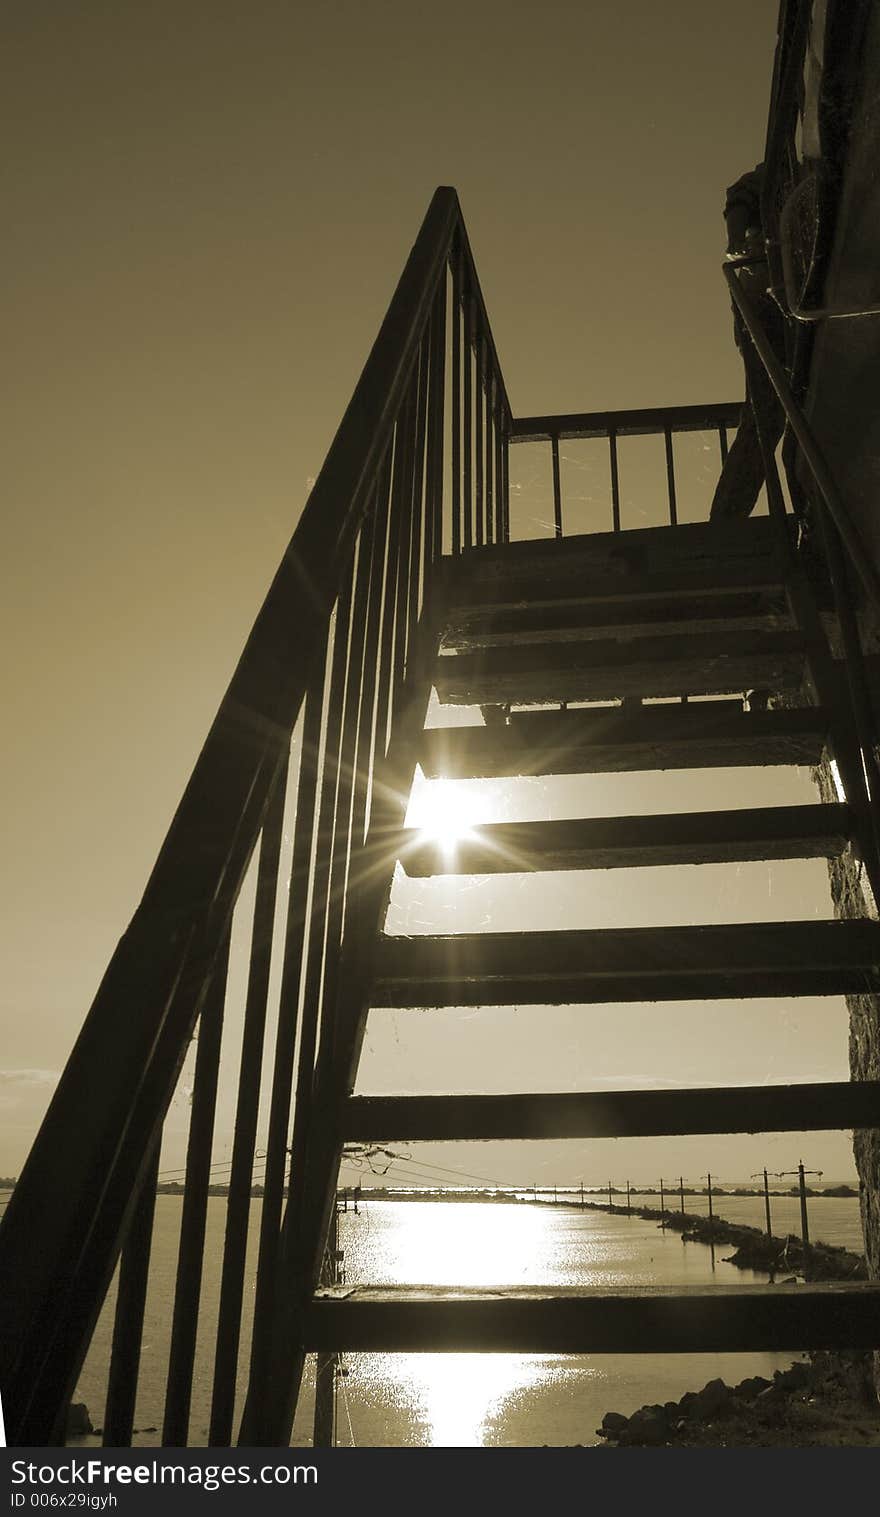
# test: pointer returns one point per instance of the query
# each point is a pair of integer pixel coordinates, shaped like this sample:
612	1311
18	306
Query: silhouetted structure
401	577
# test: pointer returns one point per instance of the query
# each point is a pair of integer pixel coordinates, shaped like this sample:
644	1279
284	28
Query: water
463	1399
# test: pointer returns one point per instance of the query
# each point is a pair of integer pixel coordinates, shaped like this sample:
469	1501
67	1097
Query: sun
444	812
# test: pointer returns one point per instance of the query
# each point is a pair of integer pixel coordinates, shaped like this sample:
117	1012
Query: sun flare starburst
444	812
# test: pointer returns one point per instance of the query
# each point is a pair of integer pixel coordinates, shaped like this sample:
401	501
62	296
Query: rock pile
656	1425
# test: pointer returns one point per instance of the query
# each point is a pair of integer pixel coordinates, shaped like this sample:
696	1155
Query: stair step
628	964
584	1320
702	735
663	614
605	669
696	837
817	1107
699	556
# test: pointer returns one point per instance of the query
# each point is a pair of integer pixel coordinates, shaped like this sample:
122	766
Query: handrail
361	559
810	448
646	422
667	422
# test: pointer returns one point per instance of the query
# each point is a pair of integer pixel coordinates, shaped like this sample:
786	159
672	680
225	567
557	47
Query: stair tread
639	1319
807	1107
579	966
599	615
612	739
695	837
605	668
859	1289
754	540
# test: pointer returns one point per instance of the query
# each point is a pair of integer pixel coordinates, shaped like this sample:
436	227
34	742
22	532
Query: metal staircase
589	619
400	578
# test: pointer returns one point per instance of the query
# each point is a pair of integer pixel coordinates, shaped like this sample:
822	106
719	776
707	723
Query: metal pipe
804	434
615	481
557	487
670	477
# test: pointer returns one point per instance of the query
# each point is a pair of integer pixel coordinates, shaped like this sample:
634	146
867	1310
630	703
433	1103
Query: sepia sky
207	205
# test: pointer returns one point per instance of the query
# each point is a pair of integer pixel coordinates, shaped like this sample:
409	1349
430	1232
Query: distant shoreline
564	1196
544	1197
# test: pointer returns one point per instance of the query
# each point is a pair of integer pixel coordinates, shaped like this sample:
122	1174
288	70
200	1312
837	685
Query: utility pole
708	1179
802	1190
325	1369
610	1202
582	1193
681	1192
662	1205
628	1204
757	1176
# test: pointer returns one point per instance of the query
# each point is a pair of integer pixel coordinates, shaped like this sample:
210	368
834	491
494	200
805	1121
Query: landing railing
666	422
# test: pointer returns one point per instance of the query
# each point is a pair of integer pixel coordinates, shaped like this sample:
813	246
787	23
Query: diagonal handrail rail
62	1230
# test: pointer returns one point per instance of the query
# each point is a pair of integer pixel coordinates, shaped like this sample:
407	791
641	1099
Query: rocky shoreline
754	1249
820	1400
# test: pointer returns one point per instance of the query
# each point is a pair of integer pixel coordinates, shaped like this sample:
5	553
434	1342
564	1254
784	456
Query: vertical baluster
491	524
437	404
317	927
385	671
312	1124
245	1132
456	398
404	466
341	835
310	1205
722	444
367	731
149	1082
615	481
185	1316
557	487
430	524
468	418
479	524
288	1022
128	1322
418	501
502	532
258	1410
670	477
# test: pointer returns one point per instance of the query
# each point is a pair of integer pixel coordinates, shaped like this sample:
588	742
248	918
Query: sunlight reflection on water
449	1399
468	1400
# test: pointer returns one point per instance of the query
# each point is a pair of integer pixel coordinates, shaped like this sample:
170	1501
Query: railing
662	421
336	661
306	770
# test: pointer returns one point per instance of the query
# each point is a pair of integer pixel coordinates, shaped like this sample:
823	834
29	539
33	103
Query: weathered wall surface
852	898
